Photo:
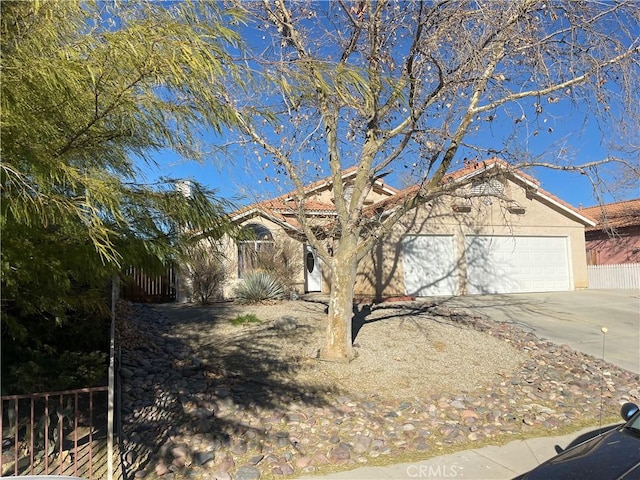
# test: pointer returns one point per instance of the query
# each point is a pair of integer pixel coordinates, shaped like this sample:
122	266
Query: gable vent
492	186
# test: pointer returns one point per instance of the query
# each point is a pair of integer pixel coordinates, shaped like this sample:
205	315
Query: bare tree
390	85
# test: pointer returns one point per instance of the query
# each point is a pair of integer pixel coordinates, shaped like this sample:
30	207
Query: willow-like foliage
89	91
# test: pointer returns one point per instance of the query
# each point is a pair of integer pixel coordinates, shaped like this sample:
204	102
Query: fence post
115	289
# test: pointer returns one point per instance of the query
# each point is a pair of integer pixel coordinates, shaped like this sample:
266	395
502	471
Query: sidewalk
487	463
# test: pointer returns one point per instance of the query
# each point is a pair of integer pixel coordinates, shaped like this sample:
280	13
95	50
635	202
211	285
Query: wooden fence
626	275
139	286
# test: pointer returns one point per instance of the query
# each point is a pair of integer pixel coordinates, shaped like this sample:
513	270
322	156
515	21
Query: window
260	242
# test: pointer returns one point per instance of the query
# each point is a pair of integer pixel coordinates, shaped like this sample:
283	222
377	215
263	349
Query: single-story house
497	231
615	238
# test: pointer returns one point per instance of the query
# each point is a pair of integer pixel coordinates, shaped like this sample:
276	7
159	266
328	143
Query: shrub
206	280
207	272
283	262
246	318
259	287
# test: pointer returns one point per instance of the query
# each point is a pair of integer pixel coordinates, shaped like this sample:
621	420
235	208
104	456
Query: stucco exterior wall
621	247
382	272
325	195
230	250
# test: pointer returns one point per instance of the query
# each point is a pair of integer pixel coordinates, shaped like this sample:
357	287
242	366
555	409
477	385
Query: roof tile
614	215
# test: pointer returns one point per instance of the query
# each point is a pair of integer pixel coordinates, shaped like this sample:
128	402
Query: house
495	231
615	239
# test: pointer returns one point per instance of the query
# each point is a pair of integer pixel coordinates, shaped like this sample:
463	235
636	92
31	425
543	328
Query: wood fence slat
140	287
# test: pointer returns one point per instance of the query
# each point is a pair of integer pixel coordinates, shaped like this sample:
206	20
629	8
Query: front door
313	273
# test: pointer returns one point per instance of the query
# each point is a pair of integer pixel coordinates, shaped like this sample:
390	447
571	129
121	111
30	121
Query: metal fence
626	276
55	433
71	433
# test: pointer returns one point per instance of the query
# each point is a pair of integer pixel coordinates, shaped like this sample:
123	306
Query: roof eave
267	215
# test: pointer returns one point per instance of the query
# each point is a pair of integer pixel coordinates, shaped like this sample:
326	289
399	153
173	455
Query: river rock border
185	423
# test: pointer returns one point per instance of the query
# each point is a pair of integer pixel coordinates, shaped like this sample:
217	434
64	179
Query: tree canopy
389	86
89	91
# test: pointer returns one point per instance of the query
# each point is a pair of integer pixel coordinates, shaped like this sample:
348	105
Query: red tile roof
476	168
485	165
283	207
614	215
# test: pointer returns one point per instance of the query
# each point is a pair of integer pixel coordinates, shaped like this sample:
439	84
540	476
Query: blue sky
240	180
564	127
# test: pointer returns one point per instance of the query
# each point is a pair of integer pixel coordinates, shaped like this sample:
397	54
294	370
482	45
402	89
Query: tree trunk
338	342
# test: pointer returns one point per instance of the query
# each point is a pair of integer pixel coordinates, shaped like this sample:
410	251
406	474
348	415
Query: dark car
614	454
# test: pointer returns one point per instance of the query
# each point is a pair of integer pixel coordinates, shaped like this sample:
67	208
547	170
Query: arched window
259	242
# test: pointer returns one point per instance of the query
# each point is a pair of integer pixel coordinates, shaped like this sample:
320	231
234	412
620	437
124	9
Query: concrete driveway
573	318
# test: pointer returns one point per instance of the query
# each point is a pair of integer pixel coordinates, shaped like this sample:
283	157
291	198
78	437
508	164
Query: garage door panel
429	265
497	264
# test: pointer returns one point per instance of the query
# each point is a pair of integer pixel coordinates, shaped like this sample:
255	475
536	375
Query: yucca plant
259	287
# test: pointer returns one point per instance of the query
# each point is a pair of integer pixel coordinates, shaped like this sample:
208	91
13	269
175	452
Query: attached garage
517	264
430	265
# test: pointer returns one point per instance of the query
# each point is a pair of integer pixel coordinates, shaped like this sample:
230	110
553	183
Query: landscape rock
285	324
186	417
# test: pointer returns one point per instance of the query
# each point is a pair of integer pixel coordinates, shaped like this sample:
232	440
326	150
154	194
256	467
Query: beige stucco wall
279	235
382	272
325	195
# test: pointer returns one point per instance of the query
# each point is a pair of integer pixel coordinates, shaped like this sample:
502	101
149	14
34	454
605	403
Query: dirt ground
402	350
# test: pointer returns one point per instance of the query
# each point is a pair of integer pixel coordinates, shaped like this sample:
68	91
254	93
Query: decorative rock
339	454
130	457
247	473
161	468
303	462
282	439
173	407
464	414
285	324
226	464
222	476
239	448
284	469
202	458
222	392
361	443
180	451
256	459
421	447
377	444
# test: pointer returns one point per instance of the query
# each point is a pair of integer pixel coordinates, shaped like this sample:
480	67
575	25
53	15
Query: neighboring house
615	239
498	232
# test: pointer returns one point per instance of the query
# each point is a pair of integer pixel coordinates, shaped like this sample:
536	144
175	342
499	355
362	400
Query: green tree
89	90
411	85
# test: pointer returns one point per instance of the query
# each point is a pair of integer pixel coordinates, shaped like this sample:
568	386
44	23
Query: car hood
613	455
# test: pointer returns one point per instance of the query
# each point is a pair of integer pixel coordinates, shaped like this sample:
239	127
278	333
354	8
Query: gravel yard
402	351
205	398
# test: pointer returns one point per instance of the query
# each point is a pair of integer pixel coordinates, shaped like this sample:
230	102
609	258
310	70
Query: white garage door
506	264
429	265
